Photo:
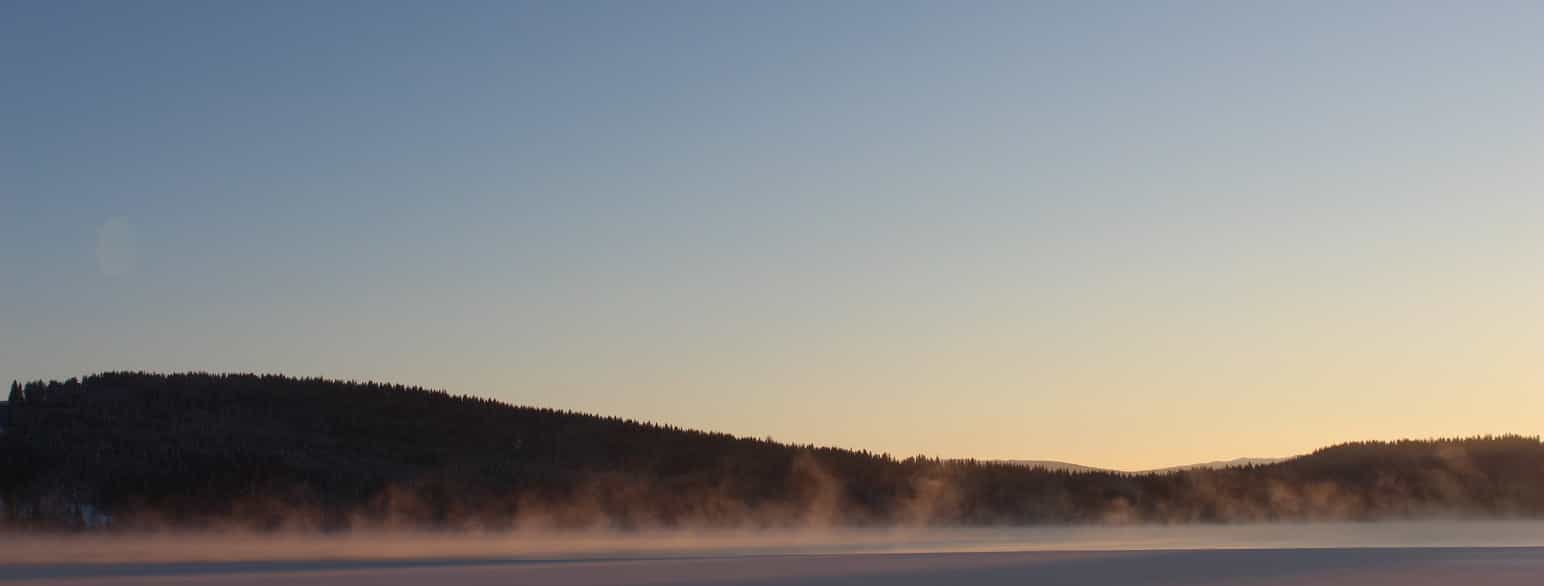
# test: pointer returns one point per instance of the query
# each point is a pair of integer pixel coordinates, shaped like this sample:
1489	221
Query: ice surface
1499	554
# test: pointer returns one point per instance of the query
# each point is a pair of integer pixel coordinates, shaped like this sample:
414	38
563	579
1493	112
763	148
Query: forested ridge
128	450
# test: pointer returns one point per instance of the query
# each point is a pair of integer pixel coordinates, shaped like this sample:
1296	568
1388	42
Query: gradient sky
1126	234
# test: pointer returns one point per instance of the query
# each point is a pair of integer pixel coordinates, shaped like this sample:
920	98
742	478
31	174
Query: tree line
132	450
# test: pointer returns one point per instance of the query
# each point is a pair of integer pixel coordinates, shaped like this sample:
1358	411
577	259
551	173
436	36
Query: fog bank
181	547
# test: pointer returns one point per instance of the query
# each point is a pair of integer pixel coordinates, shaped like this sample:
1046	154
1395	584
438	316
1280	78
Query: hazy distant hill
1070	467
1055	466
143	450
1214	465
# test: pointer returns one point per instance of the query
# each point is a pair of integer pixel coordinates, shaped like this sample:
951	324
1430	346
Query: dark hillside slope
133	449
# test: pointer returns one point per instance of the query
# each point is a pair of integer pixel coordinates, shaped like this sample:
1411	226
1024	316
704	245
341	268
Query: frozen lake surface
1335	554
1366	567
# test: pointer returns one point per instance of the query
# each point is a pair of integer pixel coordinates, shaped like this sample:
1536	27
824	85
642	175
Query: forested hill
194	450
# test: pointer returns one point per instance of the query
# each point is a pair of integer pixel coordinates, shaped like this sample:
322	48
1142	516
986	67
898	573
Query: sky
1121	234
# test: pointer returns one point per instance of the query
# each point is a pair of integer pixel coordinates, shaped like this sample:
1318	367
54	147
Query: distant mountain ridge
1059	466
1054	466
1217	464
140	450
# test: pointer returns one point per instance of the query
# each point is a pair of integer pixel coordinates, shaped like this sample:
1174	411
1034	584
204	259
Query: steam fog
236	546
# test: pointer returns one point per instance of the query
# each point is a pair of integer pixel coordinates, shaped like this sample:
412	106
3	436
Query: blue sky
1119	233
